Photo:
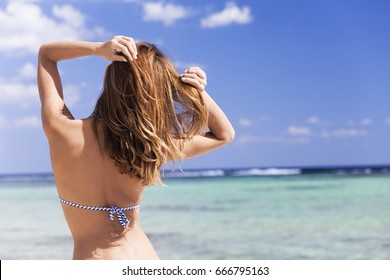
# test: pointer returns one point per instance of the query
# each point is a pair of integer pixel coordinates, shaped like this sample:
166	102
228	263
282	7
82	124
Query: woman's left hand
195	77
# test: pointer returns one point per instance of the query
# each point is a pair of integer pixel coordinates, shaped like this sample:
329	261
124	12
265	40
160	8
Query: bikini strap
122	218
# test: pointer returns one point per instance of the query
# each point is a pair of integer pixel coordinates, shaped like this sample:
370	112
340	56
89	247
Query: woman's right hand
195	77
119	48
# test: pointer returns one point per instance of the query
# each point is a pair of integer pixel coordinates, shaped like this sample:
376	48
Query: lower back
130	244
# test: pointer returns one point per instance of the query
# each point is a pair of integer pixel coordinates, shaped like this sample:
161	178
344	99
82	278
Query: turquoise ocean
272	214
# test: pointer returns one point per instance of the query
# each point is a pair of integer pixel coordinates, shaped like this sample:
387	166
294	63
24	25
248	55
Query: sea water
219	216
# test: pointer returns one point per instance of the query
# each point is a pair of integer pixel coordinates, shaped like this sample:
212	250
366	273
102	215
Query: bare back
84	175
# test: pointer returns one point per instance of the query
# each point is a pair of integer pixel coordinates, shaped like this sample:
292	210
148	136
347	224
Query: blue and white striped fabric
113	210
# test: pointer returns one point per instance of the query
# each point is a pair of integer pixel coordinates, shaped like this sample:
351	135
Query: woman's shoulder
70	137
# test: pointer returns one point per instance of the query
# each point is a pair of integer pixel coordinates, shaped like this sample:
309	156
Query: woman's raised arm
221	130
53	108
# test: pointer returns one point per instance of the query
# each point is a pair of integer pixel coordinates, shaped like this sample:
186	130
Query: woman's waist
102	228
111	244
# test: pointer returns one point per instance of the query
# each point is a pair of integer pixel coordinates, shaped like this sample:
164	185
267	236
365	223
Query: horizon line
304	167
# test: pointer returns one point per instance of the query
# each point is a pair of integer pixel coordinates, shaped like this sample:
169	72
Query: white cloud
24	1
344	133
245	122
167	13
230	15
387	121
248	122
26	26
256	139
69	15
366	121
313	120
29	122
298	131
246	139
18	93
26	122
28	71
349	132
26	95
158	41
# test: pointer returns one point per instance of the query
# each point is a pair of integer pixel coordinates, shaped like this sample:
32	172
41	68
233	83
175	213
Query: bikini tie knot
120	214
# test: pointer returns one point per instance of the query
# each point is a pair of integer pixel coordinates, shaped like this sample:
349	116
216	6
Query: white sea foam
267	172
197	173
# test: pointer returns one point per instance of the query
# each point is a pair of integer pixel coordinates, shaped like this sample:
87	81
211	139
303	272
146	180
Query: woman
146	116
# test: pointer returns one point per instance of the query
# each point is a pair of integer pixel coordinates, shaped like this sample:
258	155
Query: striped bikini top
123	220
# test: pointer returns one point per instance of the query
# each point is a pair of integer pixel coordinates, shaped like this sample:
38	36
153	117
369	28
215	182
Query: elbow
228	136
232	135
41	53
42	50
44	53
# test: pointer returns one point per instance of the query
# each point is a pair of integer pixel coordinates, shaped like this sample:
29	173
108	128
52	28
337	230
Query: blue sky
305	83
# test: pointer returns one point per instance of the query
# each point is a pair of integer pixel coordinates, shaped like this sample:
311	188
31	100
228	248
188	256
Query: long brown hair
147	113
